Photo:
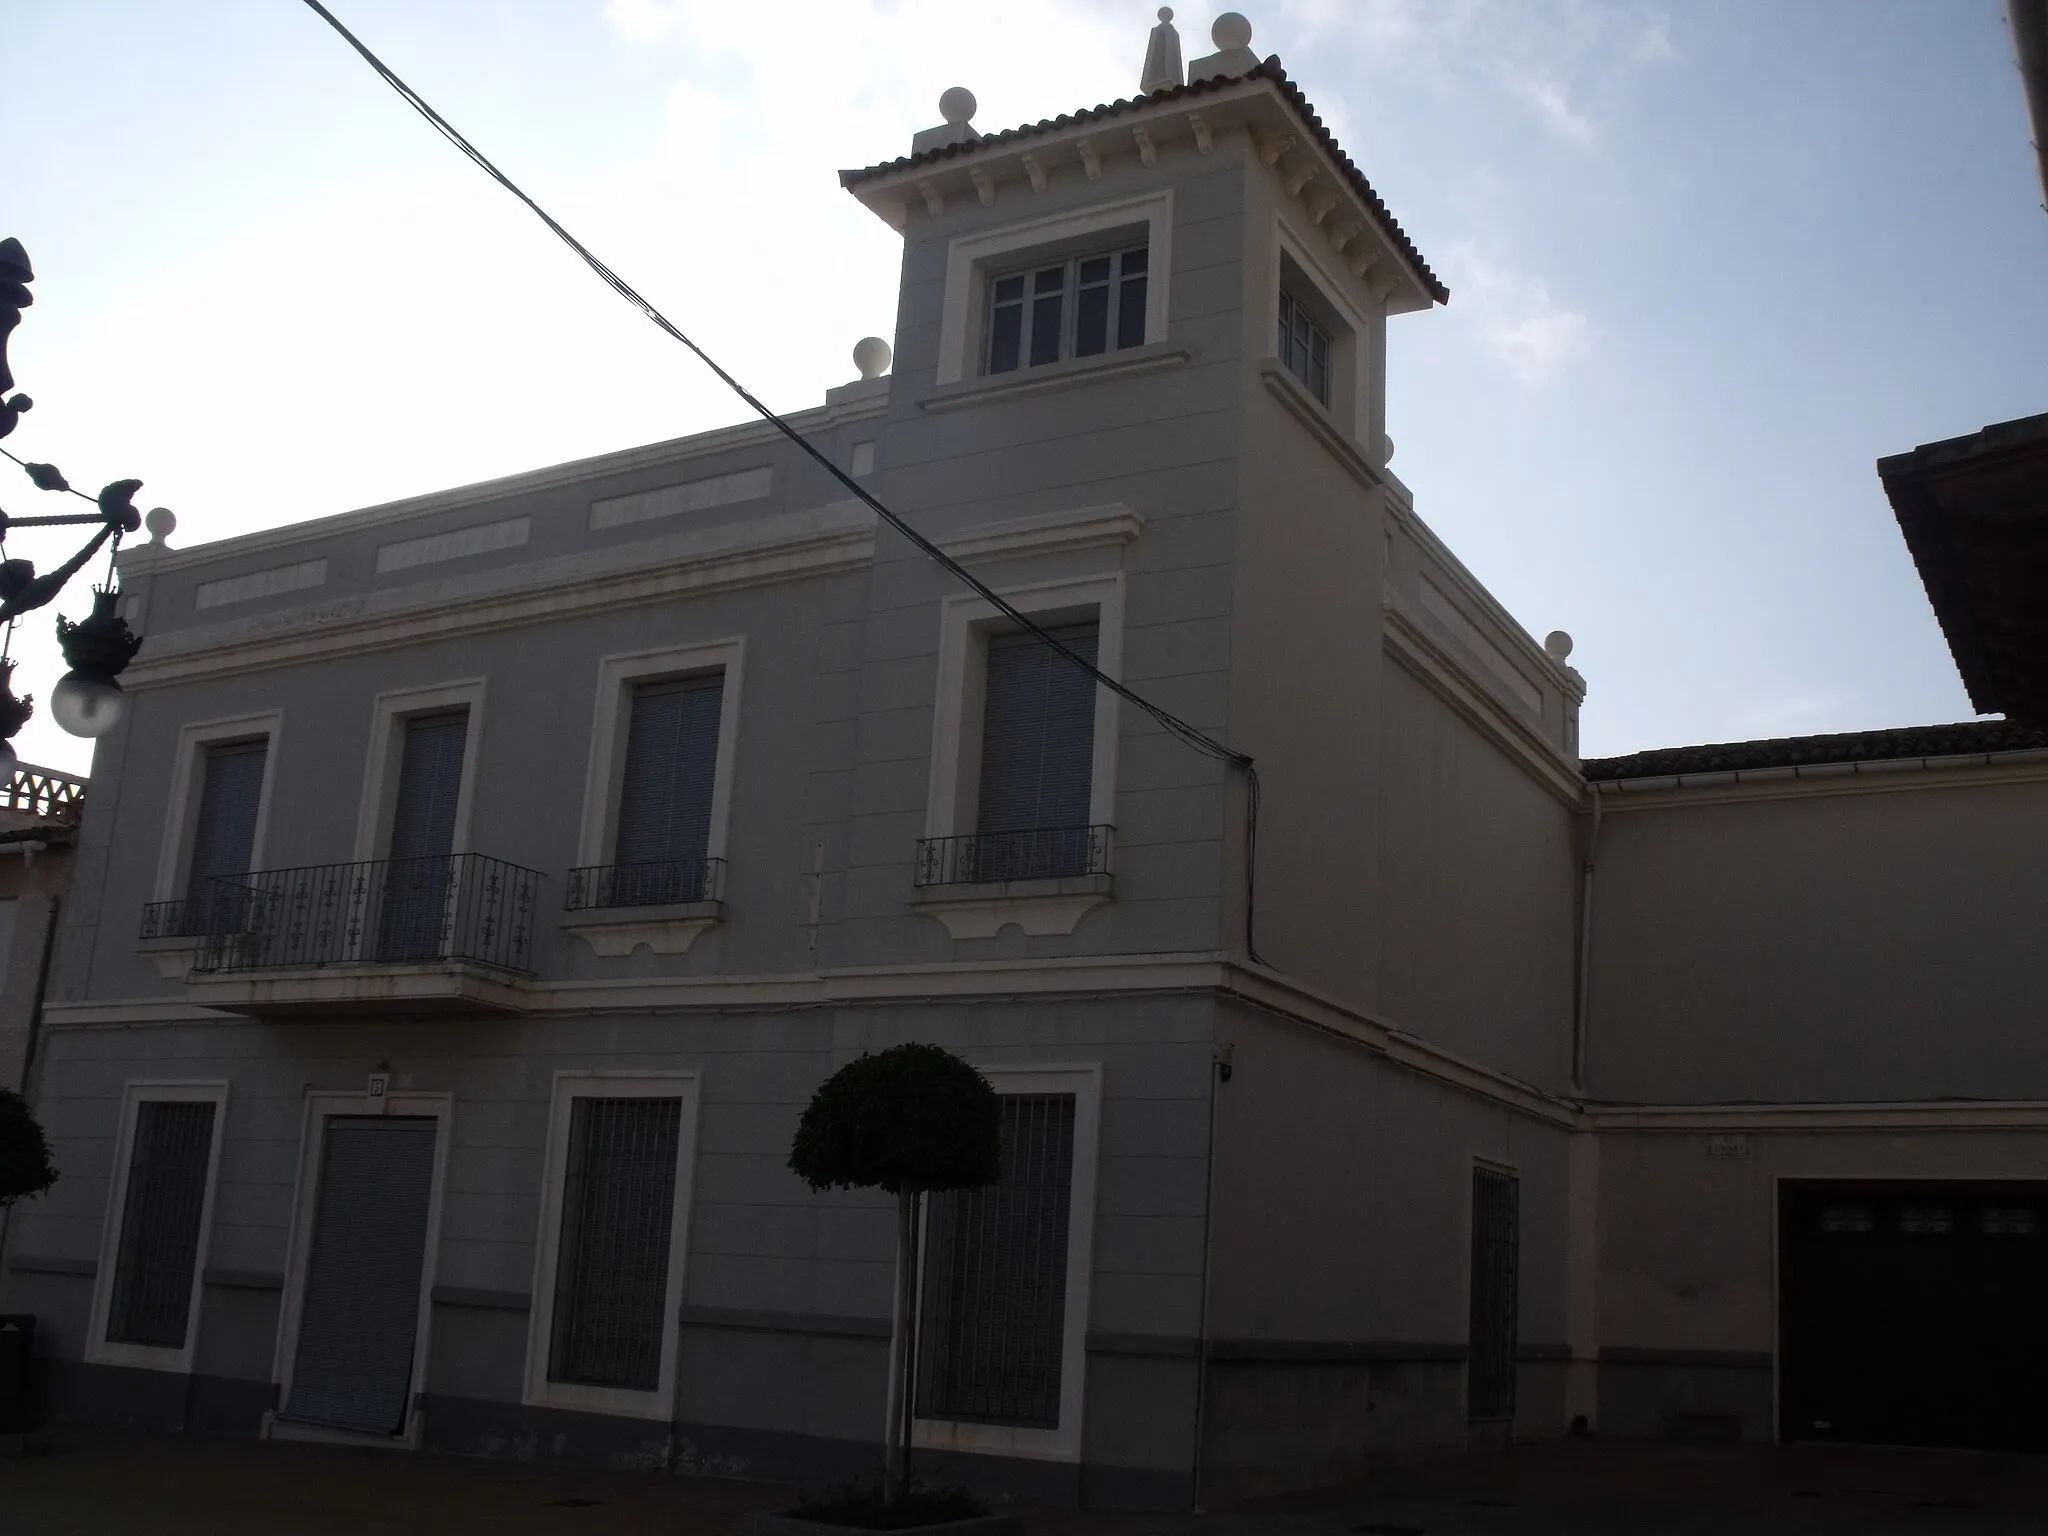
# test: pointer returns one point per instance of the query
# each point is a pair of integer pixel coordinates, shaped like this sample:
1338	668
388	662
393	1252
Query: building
39	810
423	1059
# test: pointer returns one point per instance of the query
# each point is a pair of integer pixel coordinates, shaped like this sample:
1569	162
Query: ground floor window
164	1204
618	1205
993	1324
1496	1241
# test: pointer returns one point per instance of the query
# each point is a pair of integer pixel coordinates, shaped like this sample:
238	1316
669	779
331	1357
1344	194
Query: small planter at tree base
977	1525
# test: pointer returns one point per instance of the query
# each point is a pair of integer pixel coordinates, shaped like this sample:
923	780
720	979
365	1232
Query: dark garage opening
1915	1314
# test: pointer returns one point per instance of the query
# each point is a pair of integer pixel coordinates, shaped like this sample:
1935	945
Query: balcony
388	936
1041	879
663	904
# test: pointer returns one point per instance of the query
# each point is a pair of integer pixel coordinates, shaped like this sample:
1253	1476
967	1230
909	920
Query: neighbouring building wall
1341	1258
1689	1240
32	885
1871	944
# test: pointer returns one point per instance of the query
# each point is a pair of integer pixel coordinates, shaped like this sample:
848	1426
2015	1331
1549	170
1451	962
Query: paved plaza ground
107	1486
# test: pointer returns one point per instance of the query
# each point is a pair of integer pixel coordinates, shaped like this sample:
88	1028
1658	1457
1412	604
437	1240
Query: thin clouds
1514	316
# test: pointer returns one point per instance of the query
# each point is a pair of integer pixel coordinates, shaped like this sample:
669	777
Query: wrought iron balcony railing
654	883
460	906
194	916
1038	853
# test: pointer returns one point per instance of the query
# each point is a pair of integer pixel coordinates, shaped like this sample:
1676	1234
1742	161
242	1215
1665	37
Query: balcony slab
444	989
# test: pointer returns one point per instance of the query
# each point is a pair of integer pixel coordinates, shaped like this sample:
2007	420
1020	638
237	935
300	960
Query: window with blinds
224	834
1037	756
416	888
161	1211
664	829
611	1267
992	1330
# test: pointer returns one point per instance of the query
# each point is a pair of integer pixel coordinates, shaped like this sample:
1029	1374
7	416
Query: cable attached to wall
1188	734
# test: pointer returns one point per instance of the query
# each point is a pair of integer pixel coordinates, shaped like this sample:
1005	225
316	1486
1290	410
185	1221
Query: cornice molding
1913	1115
1821	780
1425	657
151	559
1111	525
752	552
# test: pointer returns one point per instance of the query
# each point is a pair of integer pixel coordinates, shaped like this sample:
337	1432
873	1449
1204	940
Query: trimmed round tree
25	1166
909	1119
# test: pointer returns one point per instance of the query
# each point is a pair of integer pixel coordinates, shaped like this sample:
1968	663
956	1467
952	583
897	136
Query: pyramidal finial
1162	56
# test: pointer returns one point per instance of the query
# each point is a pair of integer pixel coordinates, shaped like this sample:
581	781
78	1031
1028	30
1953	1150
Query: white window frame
320	1107
965	623
388	714
1070	265
1351	365
604	778
1084	1082
153	1357
970	257
181	819
623	1401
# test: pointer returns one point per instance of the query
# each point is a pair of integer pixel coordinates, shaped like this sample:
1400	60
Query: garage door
1916	1314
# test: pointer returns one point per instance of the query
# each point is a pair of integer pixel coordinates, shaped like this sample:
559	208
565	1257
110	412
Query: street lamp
87	700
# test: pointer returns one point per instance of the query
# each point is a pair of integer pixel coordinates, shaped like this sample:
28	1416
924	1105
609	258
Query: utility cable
1188	734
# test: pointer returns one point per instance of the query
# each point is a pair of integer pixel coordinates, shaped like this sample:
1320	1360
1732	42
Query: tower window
1080	307
1304	347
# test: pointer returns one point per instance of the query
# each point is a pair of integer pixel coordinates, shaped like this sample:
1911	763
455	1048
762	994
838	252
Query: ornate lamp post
87	700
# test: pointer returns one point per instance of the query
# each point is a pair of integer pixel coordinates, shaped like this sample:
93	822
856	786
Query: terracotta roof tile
1270	69
1968	738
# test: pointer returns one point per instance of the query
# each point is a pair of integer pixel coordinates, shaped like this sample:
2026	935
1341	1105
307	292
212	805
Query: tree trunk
902	1394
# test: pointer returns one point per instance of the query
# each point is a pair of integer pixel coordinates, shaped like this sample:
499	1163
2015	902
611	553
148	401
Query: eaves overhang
1289	136
1974	512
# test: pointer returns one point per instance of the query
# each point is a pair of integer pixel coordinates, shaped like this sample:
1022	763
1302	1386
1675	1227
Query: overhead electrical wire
1180	729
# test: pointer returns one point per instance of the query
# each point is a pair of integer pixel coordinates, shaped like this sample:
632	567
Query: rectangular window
224	834
994	1307
1037	757
1496	1248
1080	307
612	1265
665	795
1304	348
416	904
162	1214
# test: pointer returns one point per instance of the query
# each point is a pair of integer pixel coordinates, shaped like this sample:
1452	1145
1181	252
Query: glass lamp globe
87	706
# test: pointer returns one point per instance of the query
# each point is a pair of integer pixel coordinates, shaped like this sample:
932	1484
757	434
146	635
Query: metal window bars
447	907
650	883
1034	853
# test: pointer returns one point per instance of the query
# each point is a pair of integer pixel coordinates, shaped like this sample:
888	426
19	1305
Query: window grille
1496	1243
224	835
992	1328
1080	307
611	1269
1304	348
1037	753
160	1217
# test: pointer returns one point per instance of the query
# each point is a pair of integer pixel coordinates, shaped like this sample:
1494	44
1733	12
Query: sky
1708	261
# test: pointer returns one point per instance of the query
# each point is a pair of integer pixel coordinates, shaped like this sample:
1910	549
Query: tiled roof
1968	738
1270	69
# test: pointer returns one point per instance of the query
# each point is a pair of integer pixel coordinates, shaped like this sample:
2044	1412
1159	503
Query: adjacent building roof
1974	511
1269	70
1968	738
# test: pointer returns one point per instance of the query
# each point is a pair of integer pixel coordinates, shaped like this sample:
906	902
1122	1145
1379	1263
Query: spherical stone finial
1231	31
1166	13
871	356
957	105
161	522
1557	645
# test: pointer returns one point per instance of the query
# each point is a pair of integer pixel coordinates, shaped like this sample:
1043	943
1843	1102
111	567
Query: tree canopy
912	1117
25	1166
